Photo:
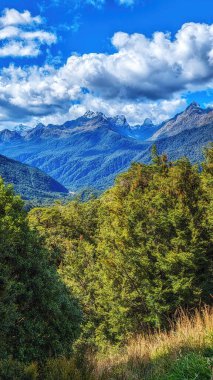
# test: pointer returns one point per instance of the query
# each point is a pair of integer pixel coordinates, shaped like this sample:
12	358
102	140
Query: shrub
61	368
190	367
14	370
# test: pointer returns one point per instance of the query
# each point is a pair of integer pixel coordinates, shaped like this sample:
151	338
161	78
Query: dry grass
183	353
149	356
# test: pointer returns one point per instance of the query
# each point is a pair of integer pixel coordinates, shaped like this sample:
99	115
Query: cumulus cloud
149	68
145	77
20	36
19	49
14	17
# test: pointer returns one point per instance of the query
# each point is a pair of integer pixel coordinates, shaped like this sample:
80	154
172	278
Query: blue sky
144	58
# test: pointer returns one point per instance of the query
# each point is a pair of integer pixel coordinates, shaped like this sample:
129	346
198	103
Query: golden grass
145	353
185	352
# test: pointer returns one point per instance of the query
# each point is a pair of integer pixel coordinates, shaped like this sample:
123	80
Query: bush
14	370
190	367
61	368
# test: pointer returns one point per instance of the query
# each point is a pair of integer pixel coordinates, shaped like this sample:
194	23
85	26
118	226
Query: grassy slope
184	353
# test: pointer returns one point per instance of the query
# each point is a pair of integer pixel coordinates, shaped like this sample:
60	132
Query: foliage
190	367
133	258
39	317
12	369
182	353
62	369
139	252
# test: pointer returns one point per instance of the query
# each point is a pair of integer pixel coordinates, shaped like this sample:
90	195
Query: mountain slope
91	150
189	143
193	117
85	152
8	136
28	182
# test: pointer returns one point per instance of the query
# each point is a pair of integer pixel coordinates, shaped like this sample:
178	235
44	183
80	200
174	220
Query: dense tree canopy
140	251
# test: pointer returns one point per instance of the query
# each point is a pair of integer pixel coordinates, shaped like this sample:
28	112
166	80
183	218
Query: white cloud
19	49
145	77
135	112
39	35
12	32
14	17
19	35
143	68
8	32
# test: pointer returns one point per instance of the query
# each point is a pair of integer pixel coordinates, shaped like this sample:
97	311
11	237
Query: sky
140	58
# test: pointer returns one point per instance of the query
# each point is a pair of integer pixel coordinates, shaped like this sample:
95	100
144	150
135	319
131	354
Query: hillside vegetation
29	182
184	352
109	288
137	253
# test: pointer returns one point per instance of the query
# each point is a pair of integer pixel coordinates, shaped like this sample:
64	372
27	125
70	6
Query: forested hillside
28	181
85	278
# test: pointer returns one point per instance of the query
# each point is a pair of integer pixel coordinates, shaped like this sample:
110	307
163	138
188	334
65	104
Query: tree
154	155
39	317
140	252
154	246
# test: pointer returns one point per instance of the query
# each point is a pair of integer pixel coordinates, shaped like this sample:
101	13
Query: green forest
81	282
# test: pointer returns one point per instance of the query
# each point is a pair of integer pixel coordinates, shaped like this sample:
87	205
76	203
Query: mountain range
92	149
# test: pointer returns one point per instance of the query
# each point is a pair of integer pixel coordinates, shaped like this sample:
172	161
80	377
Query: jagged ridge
91	150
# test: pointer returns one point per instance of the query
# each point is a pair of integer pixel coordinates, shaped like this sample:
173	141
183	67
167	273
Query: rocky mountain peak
91	115
40	126
119	120
21	129
147	122
194	106
193	117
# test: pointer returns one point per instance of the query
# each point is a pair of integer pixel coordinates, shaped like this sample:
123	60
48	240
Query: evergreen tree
39	318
